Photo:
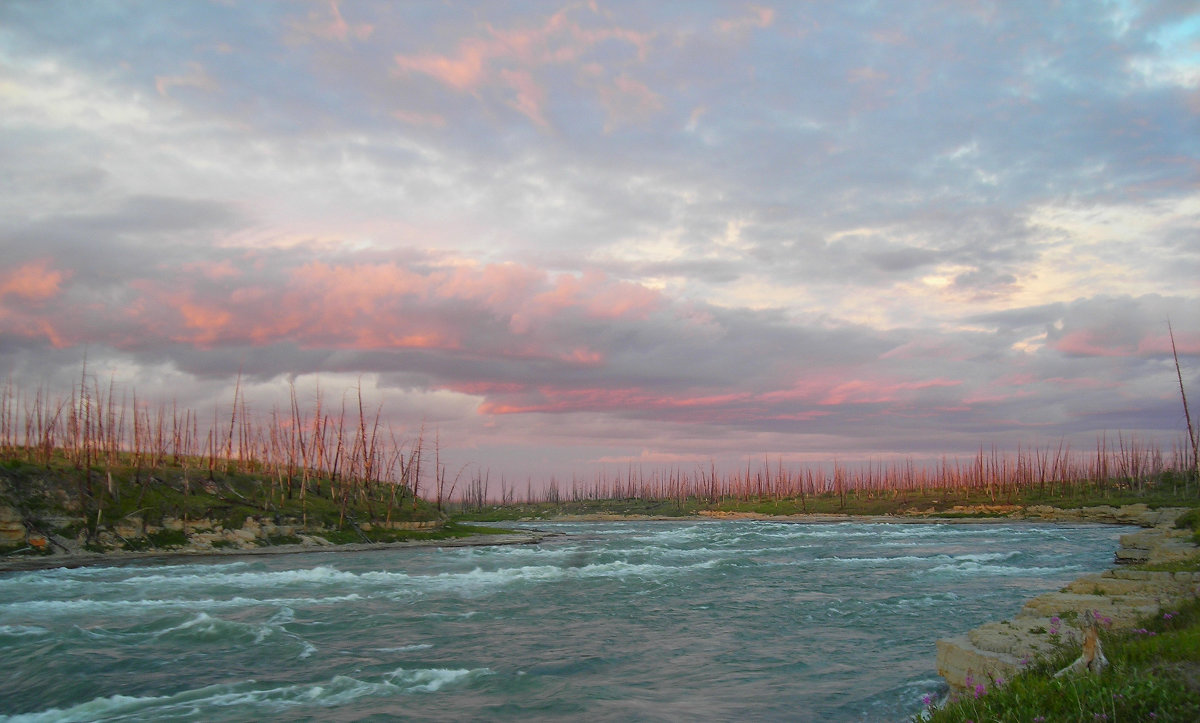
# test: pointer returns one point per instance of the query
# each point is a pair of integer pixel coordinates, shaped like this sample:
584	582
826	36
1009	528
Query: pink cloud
331	27
509	59
372	305
33	281
529	95
463	72
756	17
862	391
213	270
1098	343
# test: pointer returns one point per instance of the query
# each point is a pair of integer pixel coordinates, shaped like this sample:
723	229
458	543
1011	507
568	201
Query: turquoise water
615	621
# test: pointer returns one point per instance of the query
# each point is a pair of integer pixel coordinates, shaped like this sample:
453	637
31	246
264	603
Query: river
730	620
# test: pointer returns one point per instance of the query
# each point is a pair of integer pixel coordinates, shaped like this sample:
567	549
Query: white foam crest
22	630
84	606
911	559
404	648
898	560
203	626
321	574
339	690
975	568
689	532
430	680
480	579
987	556
69	577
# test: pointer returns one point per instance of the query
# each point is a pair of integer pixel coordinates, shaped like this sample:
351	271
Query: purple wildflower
980	690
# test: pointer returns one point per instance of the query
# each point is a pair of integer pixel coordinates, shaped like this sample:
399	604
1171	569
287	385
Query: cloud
329	26
516	60
612	231
196	77
756	17
32	282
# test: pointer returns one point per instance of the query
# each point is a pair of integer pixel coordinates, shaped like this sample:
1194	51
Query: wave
975	568
337	691
85	606
913	560
202	630
16	631
404	648
480	579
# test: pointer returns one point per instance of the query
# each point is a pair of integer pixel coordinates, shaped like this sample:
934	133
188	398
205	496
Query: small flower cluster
1143	631
1103	620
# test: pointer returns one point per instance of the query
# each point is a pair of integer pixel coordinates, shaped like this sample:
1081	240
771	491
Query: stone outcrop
1117	598
1138	514
12	529
67	535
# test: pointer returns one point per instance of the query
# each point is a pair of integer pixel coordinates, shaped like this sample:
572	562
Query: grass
449	531
1161	491
1190	521
544	510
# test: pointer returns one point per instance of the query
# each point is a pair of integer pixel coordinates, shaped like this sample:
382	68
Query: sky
578	236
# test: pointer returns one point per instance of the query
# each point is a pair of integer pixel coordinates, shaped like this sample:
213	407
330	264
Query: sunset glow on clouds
576	234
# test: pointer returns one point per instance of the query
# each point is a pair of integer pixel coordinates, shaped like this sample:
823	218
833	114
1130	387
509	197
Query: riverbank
1138	514
1117	598
119	557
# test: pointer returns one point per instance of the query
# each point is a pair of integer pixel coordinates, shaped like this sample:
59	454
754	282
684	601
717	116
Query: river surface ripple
617	621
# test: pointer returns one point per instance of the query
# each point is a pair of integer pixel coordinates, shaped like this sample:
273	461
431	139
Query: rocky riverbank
1118	598
53	542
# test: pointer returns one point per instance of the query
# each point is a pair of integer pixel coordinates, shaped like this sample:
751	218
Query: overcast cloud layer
580	234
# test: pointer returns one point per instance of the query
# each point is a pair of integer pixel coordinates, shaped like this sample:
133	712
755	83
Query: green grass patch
449	531
284	540
1190	521
168	538
1191	564
544	510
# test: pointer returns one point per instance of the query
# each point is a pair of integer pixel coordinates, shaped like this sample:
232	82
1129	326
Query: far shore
1134	515
815	518
118	557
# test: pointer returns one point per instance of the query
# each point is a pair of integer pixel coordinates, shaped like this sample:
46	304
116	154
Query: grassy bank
124	504
1153	675
1167	489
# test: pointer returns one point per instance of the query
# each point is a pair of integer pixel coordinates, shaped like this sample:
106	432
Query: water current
614	621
